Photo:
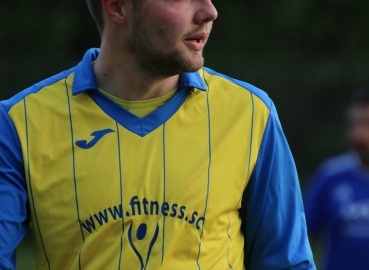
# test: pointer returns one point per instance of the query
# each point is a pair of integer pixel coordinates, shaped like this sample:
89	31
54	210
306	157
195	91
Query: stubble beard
158	62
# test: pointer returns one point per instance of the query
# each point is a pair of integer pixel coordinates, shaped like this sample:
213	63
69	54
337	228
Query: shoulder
330	182
79	78
332	171
339	164
236	87
35	89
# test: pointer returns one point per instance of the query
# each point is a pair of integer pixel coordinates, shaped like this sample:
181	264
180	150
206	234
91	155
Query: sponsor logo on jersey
141	233
143	207
135	233
97	135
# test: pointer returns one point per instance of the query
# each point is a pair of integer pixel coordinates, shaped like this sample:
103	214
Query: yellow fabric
103	207
143	107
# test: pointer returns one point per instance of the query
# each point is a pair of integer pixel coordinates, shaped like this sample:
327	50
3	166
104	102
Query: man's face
168	36
359	130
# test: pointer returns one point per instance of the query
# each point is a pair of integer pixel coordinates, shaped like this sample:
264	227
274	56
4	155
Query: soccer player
141	158
337	199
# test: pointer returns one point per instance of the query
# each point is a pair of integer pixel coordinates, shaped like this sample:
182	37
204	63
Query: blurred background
308	55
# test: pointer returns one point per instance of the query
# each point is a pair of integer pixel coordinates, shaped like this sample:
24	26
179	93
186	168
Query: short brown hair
96	10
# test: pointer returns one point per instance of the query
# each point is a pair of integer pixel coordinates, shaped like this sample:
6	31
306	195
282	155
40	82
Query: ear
114	11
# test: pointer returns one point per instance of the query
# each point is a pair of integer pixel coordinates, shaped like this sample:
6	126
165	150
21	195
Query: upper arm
273	219
13	192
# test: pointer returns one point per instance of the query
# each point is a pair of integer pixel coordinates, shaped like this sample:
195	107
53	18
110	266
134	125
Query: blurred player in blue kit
337	199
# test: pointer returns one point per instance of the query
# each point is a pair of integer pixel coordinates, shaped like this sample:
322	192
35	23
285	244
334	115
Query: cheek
169	23
361	134
168	33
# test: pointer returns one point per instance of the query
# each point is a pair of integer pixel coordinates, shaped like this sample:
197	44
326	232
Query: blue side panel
14	212
272	210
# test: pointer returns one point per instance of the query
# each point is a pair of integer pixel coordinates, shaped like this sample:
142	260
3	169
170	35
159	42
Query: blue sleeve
273	218
13	192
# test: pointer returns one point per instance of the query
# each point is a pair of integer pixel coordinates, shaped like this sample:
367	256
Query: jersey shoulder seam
247	86
9	103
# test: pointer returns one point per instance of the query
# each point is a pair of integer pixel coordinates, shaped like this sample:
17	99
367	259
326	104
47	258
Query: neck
118	76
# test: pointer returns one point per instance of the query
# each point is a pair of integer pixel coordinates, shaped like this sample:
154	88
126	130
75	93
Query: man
337	201
140	158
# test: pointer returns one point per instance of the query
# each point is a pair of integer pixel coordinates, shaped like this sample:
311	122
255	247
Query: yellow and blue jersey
206	181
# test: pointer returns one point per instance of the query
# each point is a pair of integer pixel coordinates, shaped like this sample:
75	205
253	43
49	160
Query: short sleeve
273	218
13	192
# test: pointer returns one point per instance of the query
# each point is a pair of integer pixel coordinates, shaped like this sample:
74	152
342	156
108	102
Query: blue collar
84	77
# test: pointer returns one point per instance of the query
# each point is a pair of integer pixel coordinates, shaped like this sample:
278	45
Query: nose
206	13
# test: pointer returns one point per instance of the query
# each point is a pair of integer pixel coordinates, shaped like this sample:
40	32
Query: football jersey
337	207
206	181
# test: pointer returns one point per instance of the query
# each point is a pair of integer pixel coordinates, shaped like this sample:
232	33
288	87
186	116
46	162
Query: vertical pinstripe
230	238
229	224
251	130
121	194
30	183
164	193
251	135
74	169
209	165
248	169
229	264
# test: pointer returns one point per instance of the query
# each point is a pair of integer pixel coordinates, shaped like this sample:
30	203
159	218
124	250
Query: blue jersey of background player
337	200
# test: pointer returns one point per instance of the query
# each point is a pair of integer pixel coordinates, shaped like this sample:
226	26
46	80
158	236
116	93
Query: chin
167	65
188	65
195	64
194	68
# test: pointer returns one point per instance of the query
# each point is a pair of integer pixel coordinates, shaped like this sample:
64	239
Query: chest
350	208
